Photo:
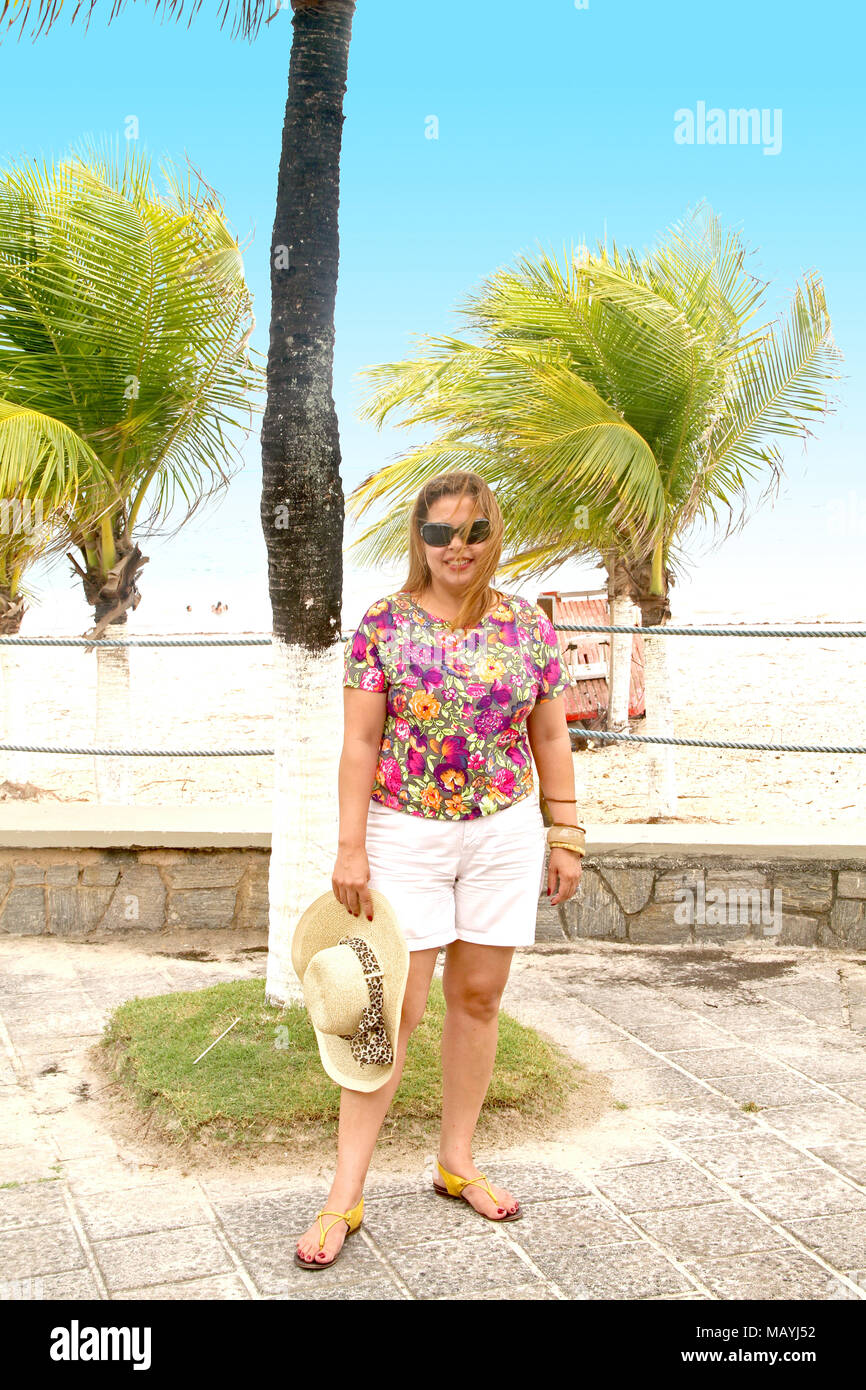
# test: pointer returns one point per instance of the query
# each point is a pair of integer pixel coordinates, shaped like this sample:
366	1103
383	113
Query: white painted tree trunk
15	766
661	771
113	723
622	612
308	738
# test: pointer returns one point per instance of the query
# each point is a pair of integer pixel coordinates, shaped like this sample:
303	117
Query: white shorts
469	880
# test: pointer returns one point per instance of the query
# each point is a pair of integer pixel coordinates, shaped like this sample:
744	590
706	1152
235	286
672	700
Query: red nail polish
369	916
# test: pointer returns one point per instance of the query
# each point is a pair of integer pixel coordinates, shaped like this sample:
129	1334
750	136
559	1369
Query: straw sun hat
353	974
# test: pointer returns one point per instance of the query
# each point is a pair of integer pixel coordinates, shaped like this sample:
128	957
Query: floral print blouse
454	744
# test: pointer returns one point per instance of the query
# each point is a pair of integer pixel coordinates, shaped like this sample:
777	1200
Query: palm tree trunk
302	497
619	667
113	720
655	611
112	594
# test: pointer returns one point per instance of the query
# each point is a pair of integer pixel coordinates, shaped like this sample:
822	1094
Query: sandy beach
775	689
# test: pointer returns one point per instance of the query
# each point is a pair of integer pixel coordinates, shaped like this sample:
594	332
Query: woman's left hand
563	874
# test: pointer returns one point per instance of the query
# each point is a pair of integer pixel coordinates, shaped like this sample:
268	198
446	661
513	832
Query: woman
444	681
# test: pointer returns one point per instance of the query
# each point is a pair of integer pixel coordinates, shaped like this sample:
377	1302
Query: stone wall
98	894
101	894
633	898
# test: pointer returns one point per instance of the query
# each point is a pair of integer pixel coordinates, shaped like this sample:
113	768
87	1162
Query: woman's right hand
349	881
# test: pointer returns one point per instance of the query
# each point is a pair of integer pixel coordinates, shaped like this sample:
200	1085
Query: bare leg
473	981
361	1116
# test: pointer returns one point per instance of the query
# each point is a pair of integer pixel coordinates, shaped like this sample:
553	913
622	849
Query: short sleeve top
454	742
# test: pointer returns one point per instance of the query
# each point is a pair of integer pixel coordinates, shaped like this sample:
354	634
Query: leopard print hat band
369	1043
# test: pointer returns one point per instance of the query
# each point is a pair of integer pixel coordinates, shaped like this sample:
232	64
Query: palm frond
39	16
778	386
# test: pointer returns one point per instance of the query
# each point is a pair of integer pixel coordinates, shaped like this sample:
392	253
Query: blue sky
555	124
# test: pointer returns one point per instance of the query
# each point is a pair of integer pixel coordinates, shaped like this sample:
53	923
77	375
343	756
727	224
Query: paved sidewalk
683	1194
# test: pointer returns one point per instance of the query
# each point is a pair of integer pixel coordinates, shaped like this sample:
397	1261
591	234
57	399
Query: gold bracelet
559	844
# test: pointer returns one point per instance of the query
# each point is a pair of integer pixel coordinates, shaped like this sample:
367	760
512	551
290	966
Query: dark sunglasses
439	533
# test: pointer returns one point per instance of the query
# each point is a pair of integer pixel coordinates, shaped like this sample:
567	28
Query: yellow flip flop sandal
454	1188
353	1219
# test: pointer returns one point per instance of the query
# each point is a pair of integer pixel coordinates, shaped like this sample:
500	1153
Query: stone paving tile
617	1056
137	1211
819	1123
36	1251
767	1087
732	1157
38	1006
107	1172
532	1182
524	1294
63	1048
642	1013
271	1265
676	1037
825	1062
73	1284
649	1185
621	1151
32	1204
220	1286
840	1240
319	1287
246	1182
770	1274
470	1264
263	1217
27	1162
76	1136
687	1119
622	1272
852	1090
751	1022
800	1194
845	1154
414	1220
641	1084
578	1223
721	1228
714	1061
29	1034
129	1262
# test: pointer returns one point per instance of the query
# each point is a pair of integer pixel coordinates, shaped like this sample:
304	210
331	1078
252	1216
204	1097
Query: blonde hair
479	596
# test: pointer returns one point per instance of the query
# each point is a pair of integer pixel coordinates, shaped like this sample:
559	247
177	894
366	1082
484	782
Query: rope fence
573	628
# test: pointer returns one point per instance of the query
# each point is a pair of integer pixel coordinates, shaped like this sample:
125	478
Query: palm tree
610	401
302	496
124	370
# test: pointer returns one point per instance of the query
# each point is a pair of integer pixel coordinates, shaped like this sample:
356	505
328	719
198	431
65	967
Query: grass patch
264	1079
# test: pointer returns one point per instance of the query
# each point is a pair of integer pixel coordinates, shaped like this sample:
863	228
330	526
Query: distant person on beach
448	685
